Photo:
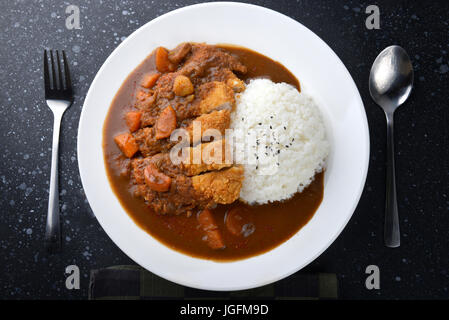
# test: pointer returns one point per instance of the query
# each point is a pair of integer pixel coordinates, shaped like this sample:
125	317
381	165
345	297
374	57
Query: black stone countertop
418	269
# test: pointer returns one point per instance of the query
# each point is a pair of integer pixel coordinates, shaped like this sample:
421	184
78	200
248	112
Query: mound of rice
294	147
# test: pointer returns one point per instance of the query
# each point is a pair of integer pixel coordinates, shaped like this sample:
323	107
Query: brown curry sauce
274	223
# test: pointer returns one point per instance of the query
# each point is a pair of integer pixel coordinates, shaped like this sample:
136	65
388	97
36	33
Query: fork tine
46	74
68	82
61	85
53	70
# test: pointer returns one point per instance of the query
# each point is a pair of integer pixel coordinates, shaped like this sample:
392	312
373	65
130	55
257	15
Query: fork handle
392	234
53	227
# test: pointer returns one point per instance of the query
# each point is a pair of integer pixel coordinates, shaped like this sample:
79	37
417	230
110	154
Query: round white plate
321	74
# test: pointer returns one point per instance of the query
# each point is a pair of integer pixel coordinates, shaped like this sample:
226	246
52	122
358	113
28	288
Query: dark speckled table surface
418	269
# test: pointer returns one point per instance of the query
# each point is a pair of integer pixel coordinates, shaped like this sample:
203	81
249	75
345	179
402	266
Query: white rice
286	163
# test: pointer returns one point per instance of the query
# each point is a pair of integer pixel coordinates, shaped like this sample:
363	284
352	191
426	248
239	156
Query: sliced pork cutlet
212	96
221	186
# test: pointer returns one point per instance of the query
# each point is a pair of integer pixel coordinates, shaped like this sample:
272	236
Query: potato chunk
182	86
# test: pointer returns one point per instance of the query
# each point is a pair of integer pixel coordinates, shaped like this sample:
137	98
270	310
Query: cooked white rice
286	162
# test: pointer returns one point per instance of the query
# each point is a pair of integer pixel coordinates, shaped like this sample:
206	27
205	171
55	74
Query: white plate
321	74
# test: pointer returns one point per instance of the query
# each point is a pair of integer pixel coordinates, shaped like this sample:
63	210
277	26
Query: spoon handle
392	235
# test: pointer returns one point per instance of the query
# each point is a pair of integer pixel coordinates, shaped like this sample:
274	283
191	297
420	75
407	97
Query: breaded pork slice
194	160
219	120
222	186
204	157
215	95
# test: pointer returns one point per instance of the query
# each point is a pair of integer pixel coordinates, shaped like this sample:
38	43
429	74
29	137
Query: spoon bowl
390	84
391	78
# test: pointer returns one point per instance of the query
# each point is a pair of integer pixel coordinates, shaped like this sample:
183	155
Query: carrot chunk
155	179
210	228
165	123
214	239
149	80
161	59
127	144
206	220
133	120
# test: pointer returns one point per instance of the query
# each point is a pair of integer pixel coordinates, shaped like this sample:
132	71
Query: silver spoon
390	84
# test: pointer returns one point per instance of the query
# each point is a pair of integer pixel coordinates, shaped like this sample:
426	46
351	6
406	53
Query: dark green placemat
134	282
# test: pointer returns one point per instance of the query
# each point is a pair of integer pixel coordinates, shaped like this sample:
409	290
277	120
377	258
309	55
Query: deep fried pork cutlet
222	186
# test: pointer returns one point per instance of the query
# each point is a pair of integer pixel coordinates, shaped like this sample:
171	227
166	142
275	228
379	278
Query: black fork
59	97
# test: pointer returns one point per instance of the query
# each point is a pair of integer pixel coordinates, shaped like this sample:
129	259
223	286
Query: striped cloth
135	283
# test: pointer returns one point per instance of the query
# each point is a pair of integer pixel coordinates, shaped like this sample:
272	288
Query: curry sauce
271	224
